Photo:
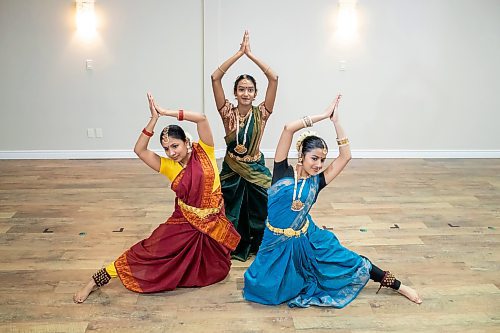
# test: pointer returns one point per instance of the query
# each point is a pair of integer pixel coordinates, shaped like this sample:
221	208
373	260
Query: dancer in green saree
244	176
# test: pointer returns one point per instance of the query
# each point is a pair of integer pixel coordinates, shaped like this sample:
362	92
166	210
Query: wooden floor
434	223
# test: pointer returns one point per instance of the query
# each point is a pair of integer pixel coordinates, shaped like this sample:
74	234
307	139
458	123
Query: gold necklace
297	205
242	118
241	148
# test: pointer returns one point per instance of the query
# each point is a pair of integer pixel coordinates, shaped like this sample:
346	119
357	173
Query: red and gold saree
192	248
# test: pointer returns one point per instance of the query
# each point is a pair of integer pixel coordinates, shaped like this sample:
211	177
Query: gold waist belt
200	212
288	232
246	158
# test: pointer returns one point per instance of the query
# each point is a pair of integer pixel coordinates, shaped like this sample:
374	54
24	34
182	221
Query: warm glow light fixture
347	20
85	17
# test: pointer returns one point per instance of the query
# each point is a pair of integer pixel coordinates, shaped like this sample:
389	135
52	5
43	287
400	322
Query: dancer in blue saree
298	262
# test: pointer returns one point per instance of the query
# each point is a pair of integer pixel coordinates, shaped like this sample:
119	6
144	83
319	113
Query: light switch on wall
90	133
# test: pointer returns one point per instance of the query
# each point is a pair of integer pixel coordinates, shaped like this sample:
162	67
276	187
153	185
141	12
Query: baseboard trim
66	154
407	154
219	153
426	153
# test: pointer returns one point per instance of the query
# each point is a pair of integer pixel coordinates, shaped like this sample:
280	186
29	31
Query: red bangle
180	115
145	132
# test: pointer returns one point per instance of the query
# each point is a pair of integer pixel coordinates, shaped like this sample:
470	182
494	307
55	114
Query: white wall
422	76
49	99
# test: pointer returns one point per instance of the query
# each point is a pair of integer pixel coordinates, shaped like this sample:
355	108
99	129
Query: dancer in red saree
192	248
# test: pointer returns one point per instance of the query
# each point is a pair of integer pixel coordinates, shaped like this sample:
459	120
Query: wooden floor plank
435	223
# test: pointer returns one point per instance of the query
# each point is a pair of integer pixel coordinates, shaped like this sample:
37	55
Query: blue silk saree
298	262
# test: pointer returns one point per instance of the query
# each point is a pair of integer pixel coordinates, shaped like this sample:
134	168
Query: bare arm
149	157
219	72
289	130
336	167
272	78
202	124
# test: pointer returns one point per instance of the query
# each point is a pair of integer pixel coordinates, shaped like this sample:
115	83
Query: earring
299	162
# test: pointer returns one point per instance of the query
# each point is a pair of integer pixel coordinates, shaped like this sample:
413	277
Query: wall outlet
90	133
98	133
89	64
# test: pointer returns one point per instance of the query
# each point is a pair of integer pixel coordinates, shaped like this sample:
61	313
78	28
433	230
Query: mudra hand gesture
152	107
245	44
332	110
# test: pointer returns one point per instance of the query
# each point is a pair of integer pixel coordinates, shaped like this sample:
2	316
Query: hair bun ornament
189	144
189	137
301	138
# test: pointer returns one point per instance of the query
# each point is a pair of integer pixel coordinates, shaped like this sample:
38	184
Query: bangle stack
307	121
223	72
343	142
147	133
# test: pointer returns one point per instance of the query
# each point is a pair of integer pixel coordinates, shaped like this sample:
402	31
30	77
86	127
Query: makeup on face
175	148
245	90
314	161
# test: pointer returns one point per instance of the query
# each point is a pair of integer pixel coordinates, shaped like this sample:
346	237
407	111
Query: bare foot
83	293
409	293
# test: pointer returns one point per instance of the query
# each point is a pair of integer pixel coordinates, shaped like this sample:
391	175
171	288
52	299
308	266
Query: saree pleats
310	268
175	255
192	248
244	182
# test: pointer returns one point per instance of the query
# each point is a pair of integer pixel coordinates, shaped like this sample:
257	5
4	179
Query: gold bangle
343	142
221	70
265	72
304	122
307	121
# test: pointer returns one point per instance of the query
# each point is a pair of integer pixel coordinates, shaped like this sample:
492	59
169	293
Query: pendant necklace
240	148
297	205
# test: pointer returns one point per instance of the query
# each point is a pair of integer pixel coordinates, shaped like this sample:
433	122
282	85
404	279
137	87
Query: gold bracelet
221	70
307	121
343	142
265	72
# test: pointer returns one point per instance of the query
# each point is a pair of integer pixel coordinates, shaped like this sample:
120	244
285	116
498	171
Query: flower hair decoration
189	139
301	138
